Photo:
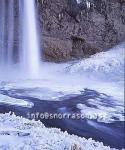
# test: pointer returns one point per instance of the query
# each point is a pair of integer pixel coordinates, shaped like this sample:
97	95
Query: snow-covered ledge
88	4
17	133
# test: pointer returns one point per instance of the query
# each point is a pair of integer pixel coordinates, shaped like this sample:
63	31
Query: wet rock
55	49
71	30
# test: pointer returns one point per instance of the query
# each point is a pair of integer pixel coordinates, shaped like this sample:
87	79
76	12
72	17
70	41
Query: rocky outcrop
73	30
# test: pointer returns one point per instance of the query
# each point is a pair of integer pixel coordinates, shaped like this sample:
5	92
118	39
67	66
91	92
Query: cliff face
75	30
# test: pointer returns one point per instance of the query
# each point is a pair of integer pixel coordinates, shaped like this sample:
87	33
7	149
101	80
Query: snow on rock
78	1
87	3
17	133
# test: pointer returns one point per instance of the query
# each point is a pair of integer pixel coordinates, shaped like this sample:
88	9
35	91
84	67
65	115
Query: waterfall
6	33
30	57
2	33
10	28
27	52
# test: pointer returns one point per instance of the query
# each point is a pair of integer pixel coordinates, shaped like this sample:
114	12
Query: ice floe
14	101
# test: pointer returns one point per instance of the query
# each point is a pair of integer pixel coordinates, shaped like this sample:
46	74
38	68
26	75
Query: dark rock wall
71	30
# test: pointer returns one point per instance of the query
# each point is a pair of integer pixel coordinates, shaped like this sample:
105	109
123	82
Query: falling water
2	35
27	51
6	33
30	59
10	41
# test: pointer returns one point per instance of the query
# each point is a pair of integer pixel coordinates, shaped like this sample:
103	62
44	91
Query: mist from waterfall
19	42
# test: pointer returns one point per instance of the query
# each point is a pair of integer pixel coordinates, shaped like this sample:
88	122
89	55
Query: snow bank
106	63
22	134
